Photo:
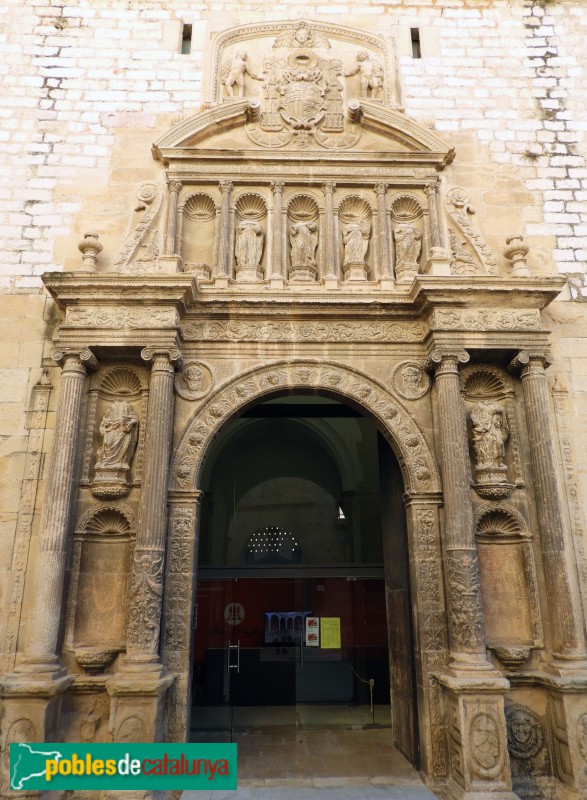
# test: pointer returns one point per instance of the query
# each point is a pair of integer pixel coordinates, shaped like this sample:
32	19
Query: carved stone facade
301	234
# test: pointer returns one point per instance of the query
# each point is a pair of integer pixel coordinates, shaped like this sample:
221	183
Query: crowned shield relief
307	81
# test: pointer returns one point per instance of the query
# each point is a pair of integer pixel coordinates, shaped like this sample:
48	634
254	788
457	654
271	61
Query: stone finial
516	252
90	248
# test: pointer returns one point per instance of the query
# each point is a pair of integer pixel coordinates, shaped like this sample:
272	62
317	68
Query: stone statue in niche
233	74
371	76
119	431
490	433
248	249
303	238
355	237
408	243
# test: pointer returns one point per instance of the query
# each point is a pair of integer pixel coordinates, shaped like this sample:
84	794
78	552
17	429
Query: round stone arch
407	441
423	499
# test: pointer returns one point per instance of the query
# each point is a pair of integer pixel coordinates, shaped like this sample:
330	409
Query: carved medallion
194	381
410	380
485	739
525	734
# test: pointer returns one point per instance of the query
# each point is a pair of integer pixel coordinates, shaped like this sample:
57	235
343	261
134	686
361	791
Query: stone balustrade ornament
90	248
516	252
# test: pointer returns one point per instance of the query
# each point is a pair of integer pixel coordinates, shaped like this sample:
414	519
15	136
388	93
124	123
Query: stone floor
314	753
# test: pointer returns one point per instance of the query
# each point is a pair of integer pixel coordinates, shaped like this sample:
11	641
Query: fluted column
171	237
47	598
385	257
146	579
224	238
277	266
566	618
461	565
331	265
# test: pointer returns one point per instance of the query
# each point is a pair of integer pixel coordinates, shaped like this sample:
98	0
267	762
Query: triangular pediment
232	129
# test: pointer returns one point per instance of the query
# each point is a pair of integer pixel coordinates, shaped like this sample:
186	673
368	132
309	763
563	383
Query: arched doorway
303	600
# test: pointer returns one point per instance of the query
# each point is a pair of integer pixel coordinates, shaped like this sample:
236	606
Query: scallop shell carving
121	382
354	209
302	207
108	522
498	522
484	383
404	208
200	207
251	206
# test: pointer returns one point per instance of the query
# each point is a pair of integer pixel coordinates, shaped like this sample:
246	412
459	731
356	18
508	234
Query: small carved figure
371	75
490	432
193	375
408	243
119	429
355	236
412	378
233	74
249	245
304	240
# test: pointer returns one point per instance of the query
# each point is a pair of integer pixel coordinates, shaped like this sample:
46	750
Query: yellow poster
330	633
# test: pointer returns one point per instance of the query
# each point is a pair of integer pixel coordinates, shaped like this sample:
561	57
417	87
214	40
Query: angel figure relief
371	75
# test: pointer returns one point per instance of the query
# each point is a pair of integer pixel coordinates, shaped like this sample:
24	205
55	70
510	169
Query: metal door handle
236	647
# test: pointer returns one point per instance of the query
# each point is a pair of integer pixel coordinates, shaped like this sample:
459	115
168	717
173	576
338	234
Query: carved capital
174	186
380	188
526	362
431	189
447	361
329	187
225	186
277	187
82	360
162	358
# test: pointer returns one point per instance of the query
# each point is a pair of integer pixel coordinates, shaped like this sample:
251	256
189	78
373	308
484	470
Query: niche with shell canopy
96	614
303	232
508	583
115	433
493	431
355	218
198	236
408	236
250	231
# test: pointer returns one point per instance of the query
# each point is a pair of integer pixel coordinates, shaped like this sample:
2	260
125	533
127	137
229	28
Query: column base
138	694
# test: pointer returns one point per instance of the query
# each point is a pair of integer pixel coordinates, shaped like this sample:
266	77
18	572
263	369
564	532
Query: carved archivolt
402	432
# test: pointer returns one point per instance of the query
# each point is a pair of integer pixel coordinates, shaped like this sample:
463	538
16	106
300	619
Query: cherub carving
371	75
233	74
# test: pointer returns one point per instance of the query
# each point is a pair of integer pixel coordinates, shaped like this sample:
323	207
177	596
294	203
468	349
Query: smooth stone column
385	255
146	580
224	234
331	265
466	624
171	238
47	600
562	591
277	257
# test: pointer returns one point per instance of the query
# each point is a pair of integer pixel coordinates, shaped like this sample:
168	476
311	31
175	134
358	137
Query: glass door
288	650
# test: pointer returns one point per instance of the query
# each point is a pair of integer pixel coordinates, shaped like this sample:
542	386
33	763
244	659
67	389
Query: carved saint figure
304	240
490	432
371	75
408	242
249	244
119	429
233	74
355	236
